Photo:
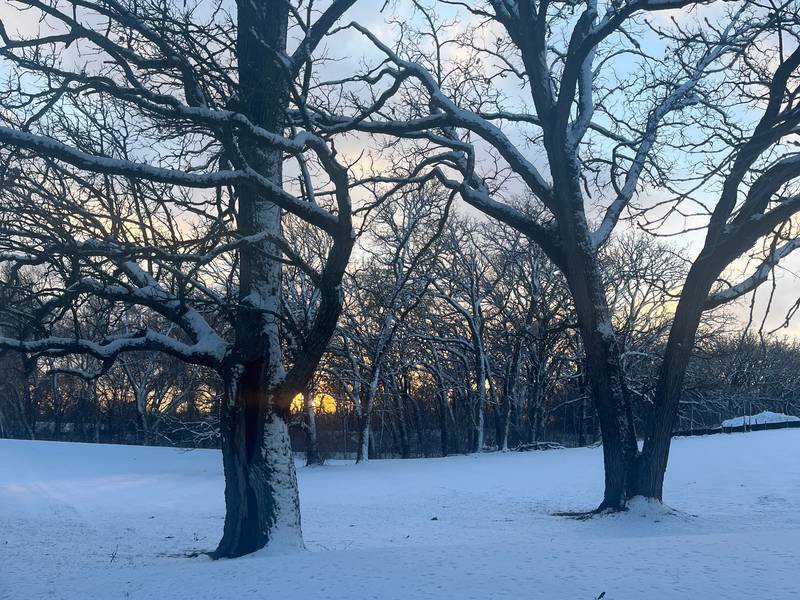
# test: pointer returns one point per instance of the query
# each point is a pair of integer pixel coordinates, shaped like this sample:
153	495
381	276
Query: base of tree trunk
261	497
649	478
314	459
603	509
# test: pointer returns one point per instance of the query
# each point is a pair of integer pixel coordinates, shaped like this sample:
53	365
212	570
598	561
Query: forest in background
431	311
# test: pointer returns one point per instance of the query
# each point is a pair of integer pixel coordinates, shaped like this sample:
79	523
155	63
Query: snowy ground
87	521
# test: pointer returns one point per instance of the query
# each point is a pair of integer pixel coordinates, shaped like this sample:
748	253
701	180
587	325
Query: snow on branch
107	349
56	150
758	277
467	119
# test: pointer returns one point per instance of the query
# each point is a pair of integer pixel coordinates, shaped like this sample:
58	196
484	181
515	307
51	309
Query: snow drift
760	419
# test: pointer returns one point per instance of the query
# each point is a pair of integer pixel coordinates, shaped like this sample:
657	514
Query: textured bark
718	252
603	358
581	423
260	484
261	499
607	384
579	261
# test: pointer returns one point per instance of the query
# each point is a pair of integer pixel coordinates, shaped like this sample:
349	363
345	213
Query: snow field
93	521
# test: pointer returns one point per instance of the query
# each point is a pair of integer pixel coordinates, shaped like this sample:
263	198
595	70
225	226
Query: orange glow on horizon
322	403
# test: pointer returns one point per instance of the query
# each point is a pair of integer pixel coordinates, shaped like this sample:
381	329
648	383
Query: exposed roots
589	514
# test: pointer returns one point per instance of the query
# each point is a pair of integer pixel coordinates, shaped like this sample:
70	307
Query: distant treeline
486	357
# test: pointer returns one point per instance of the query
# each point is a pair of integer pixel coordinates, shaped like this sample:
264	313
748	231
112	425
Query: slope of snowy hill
90	521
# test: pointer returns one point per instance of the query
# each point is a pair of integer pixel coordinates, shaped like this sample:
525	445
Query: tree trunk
313	455
30	408
421	439
581	422
509	399
605	376
478	442
480	408
577	257
580	265
606	380
499	413
535	394
261	499
652	463
510	393
402	426
363	439
365	421
372	451
444	427
141	407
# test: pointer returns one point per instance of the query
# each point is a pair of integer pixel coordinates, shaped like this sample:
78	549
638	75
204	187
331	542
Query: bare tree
394	277
462	294
143	152
455	107
754	210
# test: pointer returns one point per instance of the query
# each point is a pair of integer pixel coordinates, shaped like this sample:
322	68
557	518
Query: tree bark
652	463
261	497
606	381
603	365
364	433
313	455
581	423
480	400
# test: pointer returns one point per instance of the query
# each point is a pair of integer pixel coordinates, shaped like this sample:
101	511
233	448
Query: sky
352	50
